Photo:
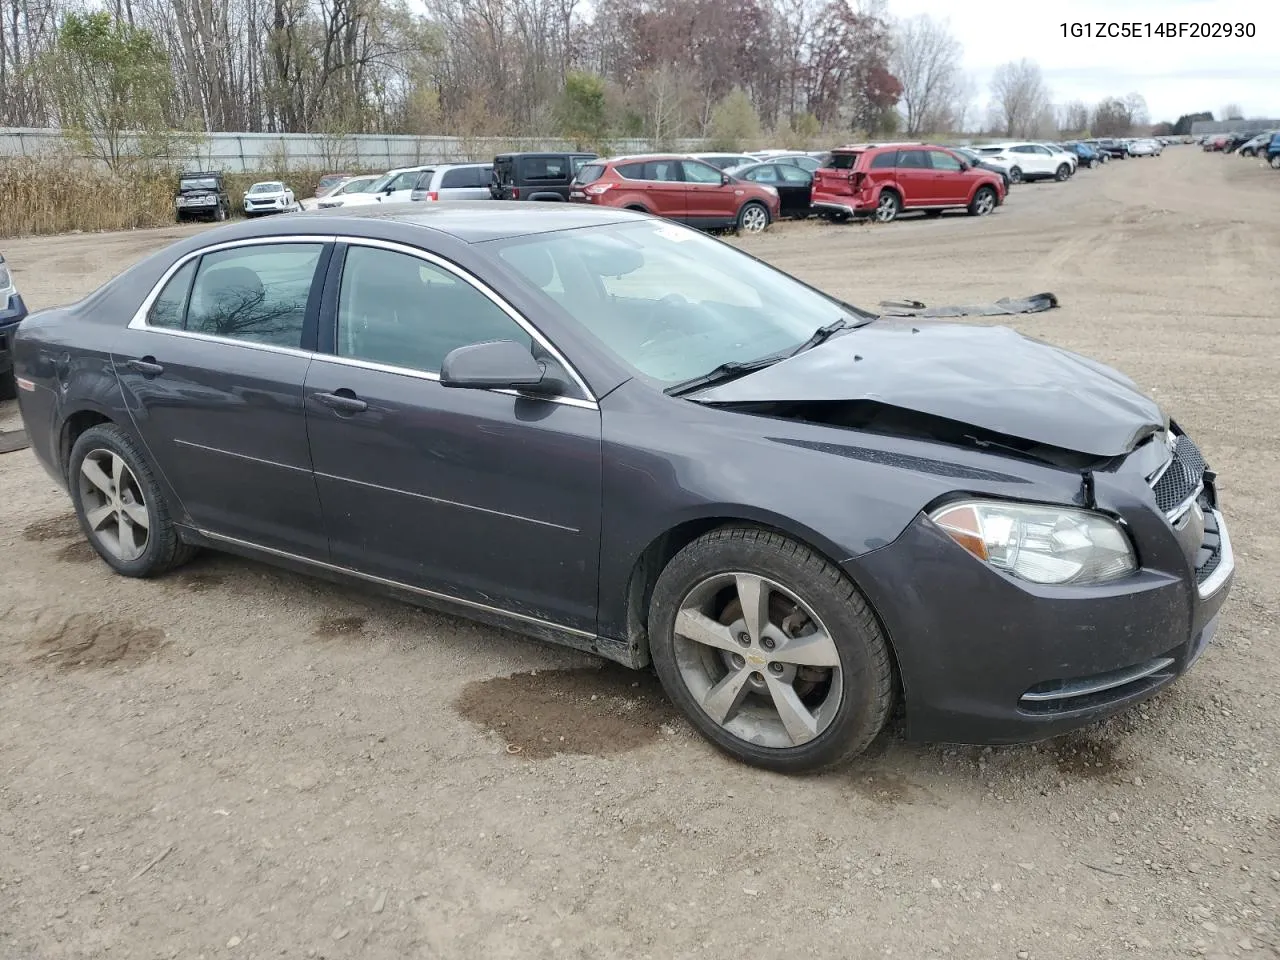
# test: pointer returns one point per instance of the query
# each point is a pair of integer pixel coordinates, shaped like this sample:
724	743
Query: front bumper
986	659
11	313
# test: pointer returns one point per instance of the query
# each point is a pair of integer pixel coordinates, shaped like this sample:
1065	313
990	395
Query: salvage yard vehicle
12	310
536	176
1032	161
202	195
793	184
620	434
884	180
453	181
269	196
339	195
679	188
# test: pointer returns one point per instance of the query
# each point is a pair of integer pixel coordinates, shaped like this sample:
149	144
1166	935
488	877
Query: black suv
535	176
201	196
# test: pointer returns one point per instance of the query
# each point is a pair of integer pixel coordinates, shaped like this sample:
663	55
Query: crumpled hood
993	378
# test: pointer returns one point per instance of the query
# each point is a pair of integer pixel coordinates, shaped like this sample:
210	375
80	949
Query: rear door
709	201
950	183
915	178
665	189
212	373
463	183
502	179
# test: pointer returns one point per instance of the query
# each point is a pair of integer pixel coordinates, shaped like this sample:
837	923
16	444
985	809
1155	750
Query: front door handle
147	366
343	401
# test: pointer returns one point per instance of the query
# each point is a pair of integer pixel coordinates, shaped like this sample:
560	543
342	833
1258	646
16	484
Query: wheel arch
74	426
653	559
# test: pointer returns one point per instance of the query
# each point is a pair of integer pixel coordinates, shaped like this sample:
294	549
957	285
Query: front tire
1275	162
983	202
770	650
121	508
1063	172
888	207
753	218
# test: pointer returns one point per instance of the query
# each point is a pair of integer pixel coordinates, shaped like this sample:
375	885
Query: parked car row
746	191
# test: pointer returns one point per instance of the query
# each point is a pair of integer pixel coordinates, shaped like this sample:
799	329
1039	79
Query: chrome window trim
333	358
139	320
384	581
486	291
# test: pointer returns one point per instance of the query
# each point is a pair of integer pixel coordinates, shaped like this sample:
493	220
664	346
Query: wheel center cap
755	659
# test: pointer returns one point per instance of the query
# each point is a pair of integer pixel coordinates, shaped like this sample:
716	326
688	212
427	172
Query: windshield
381	183
357	186
267	188
197	183
669	301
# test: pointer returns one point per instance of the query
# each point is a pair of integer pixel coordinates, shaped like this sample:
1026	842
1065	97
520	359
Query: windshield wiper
722	374
823	334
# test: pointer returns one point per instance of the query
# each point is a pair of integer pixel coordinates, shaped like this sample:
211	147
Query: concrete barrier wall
251	152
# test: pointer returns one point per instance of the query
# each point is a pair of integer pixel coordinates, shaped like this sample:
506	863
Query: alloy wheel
986	202
754	219
757	660
887	208
114	507
1016	174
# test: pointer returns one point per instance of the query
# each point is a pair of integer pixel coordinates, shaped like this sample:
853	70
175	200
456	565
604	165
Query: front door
484	496
950	185
795	189
213	379
709	200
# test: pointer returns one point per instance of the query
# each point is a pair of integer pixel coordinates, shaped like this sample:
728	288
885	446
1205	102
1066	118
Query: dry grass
51	194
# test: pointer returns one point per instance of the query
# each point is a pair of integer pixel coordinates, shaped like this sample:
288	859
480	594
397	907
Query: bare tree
1232	111
1019	96
1074	118
926	61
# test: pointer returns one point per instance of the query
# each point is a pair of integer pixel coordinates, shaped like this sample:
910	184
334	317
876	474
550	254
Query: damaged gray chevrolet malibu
616	433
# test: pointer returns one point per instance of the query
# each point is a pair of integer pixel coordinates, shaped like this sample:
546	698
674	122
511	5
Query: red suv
883	180
678	188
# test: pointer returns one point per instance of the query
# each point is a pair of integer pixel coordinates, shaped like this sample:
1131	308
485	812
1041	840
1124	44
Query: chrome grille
1181	478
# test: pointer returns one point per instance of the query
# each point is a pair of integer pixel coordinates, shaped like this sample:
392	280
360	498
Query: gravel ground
239	762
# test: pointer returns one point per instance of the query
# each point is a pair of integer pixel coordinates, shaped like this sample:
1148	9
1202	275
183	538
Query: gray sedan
616	433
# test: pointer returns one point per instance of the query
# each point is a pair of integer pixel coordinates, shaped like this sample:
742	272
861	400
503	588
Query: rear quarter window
844	161
545	169
457	177
590	173
630	171
884	160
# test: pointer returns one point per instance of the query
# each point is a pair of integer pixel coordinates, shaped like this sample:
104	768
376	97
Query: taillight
856	180
433	195
597	189
515	193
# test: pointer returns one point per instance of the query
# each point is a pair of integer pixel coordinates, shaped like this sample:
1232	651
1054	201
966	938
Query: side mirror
493	365
725	179
964	165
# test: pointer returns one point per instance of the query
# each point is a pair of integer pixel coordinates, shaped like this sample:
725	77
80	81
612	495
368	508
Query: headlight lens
6	281
1043	544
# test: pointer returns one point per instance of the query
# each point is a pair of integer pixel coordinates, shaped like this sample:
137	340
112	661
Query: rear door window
765	174
664	171
256	293
913	160
457	177
545	169
793	174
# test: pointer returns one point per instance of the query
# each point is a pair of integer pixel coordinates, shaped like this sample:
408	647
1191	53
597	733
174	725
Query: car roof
470	221
630	157
873	146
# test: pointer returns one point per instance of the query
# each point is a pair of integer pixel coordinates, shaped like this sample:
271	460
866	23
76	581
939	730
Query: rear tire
1063	172
121	508
1275	162
888	207
780	717
1015	174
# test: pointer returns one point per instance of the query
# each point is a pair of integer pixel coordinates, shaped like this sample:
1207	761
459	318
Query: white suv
394	186
1032	161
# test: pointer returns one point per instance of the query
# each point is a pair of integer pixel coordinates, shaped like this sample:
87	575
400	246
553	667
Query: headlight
6	280
1043	544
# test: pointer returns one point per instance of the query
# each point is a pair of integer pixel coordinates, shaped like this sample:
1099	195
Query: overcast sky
1175	76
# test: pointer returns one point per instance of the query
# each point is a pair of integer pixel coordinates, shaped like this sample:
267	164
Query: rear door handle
147	366
343	401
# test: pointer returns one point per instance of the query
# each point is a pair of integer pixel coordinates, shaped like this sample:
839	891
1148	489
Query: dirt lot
237	762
